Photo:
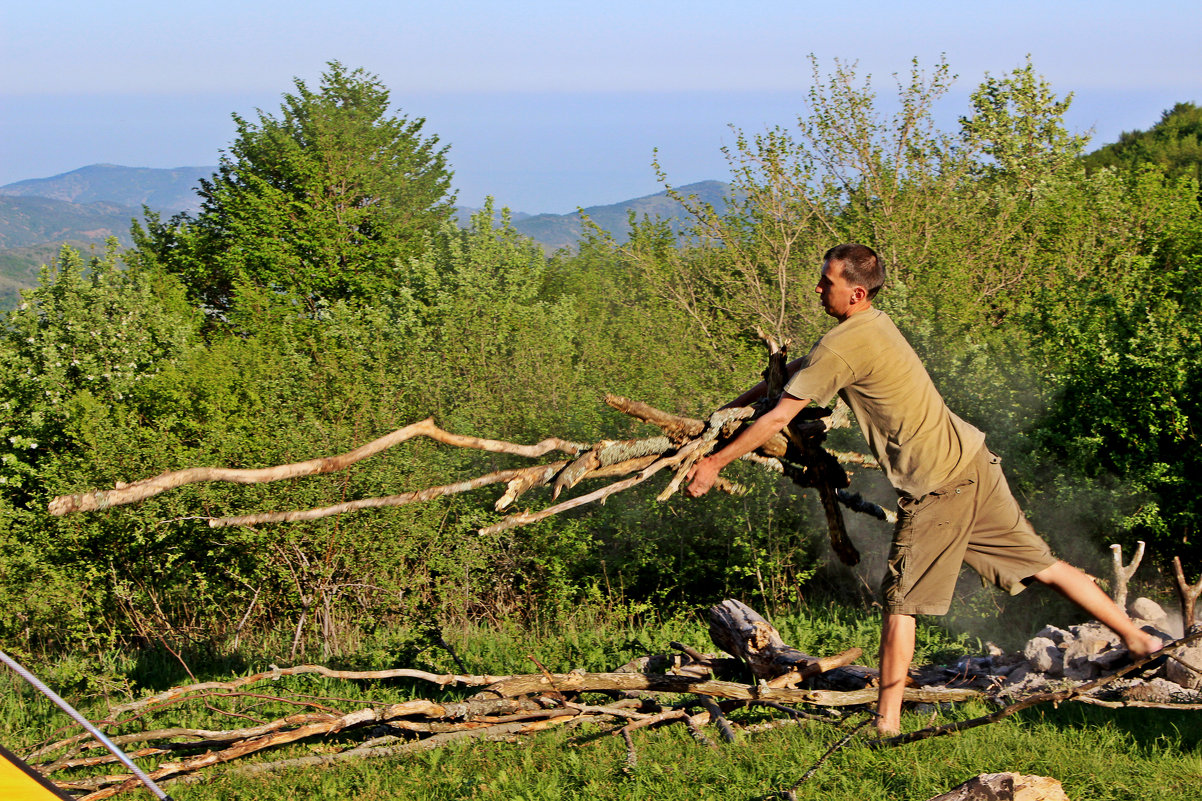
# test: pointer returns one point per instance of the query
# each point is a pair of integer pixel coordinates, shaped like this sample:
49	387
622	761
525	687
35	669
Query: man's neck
854	310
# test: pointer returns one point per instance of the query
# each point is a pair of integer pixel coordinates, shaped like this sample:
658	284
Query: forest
323	296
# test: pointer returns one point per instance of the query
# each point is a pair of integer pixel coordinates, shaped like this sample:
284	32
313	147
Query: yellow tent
19	782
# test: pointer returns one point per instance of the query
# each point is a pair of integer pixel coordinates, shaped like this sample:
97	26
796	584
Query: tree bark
740	631
1006	787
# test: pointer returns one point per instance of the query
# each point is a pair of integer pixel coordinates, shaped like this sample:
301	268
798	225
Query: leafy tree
1018	122
1174	143
324	201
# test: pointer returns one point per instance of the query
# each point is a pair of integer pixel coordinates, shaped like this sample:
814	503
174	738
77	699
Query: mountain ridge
169	190
86	206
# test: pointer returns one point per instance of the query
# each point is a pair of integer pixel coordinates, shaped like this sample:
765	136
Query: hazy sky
547	104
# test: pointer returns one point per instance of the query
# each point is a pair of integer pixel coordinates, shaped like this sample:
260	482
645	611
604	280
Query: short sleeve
824	374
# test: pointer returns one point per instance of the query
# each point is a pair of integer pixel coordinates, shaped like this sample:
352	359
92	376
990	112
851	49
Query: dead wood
598	682
146	488
1187	593
740	631
714	713
1123	574
685	440
1005	787
499	731
1086	699
857	503
534	476
805	461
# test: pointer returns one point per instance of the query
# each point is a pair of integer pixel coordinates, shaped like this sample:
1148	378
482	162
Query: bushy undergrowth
1055	308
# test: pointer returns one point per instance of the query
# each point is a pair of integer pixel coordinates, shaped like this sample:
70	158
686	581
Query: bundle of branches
506	707
686	687
798	453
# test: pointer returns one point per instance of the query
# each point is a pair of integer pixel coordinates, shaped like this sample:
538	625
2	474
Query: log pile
686	688
698	691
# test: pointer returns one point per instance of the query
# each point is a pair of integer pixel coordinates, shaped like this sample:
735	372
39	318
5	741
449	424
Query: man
954	506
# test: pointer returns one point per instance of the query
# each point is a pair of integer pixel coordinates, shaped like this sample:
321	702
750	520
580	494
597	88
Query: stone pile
1090	650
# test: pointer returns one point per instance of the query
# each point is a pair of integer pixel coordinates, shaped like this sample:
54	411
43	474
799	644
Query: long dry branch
684	441
597	682
146	488
175	693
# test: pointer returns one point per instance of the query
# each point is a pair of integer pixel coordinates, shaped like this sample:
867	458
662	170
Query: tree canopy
1174	143
324	201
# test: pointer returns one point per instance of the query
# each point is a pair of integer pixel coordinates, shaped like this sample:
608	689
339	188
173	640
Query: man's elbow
785	410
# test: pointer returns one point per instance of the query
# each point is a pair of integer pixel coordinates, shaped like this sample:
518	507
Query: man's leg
1081	590
897	650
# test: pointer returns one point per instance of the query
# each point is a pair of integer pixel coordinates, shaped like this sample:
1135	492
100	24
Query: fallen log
740	631
533	684
1006	787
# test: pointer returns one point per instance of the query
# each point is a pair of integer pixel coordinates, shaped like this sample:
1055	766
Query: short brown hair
861	266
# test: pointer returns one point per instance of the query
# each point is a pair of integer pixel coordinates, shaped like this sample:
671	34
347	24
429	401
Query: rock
1043	656
1018	674
1095	637
1081	669
1152	612
1109	660
1052	633
1159	691
1178	673
1091	649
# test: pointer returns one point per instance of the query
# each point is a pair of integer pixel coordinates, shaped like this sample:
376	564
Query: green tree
1174	143
324	201
1018	122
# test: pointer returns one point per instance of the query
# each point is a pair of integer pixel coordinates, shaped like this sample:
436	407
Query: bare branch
146	488
1187	593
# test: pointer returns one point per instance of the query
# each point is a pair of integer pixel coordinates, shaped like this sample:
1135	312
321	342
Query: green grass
1096	753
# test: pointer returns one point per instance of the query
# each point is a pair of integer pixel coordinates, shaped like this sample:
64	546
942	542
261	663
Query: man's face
835	292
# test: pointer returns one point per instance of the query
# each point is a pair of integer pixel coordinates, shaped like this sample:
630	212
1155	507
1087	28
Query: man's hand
705	472
701	477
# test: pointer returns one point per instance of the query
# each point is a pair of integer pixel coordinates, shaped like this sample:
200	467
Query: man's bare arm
703	474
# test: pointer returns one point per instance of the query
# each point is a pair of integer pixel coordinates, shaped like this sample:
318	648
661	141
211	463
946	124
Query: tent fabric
19	782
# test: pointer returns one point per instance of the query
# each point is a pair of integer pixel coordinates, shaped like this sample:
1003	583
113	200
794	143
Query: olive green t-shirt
919	442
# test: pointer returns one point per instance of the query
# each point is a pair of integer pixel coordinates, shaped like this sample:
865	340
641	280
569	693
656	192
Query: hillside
554	231
33	229
86	206
26	221
167	191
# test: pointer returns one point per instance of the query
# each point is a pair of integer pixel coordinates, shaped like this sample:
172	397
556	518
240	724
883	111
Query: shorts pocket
898	580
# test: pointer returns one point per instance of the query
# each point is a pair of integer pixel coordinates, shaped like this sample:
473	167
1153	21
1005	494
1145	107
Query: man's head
851	276
861	266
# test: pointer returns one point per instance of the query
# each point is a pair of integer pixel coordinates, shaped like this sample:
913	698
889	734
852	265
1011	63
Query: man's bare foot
887	730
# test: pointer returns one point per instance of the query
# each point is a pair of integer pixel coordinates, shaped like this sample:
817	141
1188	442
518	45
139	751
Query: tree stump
1006	787
737	629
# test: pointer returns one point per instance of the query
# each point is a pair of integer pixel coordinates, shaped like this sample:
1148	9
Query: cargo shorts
972	519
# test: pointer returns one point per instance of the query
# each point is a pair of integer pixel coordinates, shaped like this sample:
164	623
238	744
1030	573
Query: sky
550	104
